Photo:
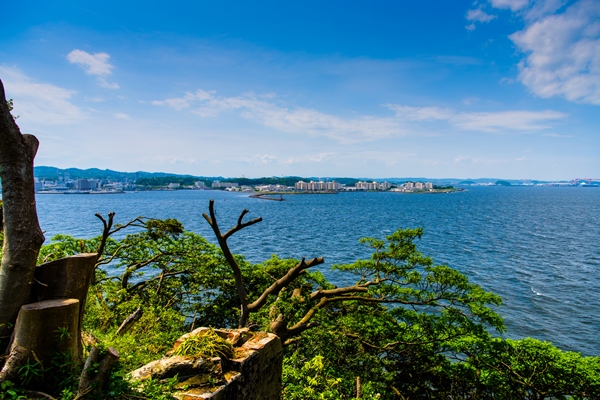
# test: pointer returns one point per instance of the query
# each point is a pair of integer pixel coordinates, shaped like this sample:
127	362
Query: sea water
537	247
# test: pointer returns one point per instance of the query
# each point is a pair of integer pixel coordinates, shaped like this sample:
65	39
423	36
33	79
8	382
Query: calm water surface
537	247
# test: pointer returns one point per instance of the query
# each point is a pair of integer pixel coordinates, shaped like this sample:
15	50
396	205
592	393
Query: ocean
537	247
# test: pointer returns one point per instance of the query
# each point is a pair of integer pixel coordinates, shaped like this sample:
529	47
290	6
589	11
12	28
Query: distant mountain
53	173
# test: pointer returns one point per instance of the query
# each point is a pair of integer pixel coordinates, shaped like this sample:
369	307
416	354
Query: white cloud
470	100
265	110
94	64
491	122
122	116
562	51
180	103
407	120
557	135
542	8
478	15
41	103
481	162
497	122
420	113
108	85
96	99
513	5
264	159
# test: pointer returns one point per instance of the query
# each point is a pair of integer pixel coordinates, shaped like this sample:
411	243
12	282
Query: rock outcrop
254	373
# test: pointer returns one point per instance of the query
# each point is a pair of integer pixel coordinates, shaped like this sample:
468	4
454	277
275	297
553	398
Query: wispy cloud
477	15
557	135
41	103
513	5
94	64
498	122
484	162
562	50
490	122
266	110
264	159
122	116
407	120
407	113
180	103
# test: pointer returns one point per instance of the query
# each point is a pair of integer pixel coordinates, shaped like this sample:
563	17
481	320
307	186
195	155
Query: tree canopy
407	328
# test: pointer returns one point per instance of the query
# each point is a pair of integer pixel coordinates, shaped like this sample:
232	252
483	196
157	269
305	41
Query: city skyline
500	88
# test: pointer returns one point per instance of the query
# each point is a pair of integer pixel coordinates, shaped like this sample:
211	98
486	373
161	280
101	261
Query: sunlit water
535	246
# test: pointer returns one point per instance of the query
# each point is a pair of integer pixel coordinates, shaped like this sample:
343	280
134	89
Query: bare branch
139	222
130	269
316	295
241	225
289	277
105	233
143	284
237	272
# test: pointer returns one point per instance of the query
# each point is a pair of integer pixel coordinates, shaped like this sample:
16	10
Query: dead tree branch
321	297
237	272
276	287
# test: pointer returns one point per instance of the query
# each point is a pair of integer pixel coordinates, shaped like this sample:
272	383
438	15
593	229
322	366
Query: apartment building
320	186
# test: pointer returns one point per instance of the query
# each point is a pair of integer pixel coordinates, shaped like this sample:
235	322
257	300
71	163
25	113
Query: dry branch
237	272
288	278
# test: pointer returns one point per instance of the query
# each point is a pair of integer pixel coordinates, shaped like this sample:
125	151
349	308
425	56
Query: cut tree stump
96	371
43	330
66	278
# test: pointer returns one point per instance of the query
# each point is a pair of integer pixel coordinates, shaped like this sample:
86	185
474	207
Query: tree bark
128	323
237	272
43	330
96	371
22	234
67	278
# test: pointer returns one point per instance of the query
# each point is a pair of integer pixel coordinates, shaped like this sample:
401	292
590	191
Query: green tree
408	328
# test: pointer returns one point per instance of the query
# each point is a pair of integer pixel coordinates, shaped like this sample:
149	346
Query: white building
320	186
217	184
86	184
372	185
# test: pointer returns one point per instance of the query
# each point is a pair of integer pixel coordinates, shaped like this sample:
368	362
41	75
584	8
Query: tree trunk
22	234
96	371
43	330
67	278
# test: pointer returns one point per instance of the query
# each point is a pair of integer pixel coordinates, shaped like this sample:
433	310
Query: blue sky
466	89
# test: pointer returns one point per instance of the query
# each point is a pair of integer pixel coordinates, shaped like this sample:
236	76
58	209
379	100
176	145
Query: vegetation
503	183
52	173
412	330
162	181
406	329
285	181
207	344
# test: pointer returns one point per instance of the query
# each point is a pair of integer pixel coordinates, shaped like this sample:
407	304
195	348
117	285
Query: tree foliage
410	329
